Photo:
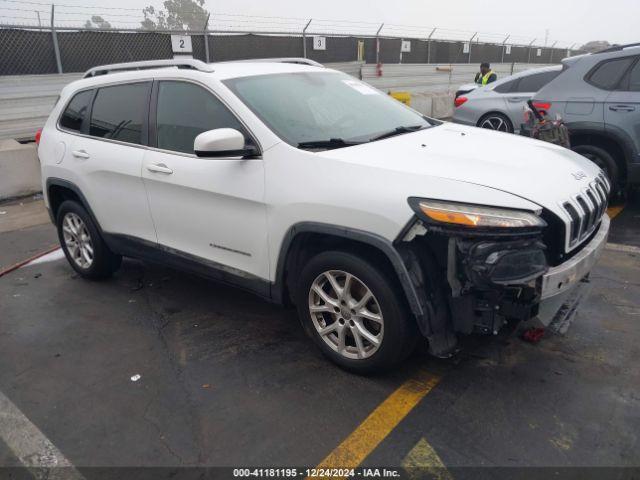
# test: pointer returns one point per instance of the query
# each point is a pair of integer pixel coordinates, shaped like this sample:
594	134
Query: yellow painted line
423	461
375	428
613	212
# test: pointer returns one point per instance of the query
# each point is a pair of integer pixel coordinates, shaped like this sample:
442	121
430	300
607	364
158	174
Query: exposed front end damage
476	283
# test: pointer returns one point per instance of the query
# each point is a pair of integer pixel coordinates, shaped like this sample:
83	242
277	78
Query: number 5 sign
181	44
319	43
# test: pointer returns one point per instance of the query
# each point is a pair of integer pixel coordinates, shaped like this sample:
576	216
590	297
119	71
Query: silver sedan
501	104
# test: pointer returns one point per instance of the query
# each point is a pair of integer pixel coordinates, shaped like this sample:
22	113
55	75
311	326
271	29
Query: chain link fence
41	50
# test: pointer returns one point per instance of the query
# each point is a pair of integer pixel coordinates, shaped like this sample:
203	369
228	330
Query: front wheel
603	159
354	313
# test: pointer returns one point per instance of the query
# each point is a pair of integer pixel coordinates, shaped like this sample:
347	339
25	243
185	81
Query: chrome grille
585	211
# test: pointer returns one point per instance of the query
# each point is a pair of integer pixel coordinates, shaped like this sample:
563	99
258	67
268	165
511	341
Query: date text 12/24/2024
316	472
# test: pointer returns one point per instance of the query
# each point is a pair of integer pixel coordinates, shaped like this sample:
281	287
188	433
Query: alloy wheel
77	240
346	314
495	123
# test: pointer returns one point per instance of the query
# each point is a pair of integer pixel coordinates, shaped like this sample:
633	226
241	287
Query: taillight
459	101
544	106
38	136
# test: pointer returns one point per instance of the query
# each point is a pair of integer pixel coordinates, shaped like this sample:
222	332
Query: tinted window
186	110
118	112
73	115
634	78
533	83
505	87
607	75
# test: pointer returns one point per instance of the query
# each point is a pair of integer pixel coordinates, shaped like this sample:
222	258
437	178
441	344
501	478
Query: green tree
177	15
97	22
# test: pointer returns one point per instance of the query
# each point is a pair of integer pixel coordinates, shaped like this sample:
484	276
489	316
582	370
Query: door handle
517	99
622	108
159	168
80	154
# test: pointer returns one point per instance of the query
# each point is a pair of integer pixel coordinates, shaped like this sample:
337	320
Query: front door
209	208
622	109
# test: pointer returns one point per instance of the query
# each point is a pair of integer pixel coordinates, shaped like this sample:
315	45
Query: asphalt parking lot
156	368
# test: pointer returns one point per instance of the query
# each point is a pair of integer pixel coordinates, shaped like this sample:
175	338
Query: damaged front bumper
559	284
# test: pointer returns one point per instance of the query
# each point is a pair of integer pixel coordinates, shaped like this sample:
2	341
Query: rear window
632	84
607	75
74	114
118	112
535	82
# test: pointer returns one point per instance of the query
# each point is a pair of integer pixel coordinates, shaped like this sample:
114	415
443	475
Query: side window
607	75
505	87
118	112
633	84
74	114
186	110
535	82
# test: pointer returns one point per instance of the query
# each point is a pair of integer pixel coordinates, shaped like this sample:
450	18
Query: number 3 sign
319	43
181	43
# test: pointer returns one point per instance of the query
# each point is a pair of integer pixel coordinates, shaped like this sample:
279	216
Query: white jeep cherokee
307	186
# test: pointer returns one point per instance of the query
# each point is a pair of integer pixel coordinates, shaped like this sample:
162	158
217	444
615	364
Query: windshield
324	109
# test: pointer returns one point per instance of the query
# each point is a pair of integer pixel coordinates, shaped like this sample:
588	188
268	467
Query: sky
565	22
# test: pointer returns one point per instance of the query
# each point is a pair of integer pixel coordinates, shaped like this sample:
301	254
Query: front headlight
475	216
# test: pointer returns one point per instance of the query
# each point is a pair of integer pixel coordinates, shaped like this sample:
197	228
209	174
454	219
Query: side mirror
222	142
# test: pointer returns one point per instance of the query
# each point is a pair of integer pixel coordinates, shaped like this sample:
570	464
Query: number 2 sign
181	44
319	43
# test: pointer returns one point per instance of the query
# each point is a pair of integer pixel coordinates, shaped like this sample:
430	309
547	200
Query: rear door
107	159
524	90
622	108
209	208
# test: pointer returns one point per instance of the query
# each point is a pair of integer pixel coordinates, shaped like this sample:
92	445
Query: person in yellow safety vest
485	75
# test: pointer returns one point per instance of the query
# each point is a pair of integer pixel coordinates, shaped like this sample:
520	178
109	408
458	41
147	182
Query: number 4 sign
181	44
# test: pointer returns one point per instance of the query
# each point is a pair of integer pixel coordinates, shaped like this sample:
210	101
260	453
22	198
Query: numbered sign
465	48
181	44
507	50
319	43
539	52
406	46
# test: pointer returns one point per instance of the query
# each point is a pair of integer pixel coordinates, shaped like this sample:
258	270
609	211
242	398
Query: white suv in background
309	187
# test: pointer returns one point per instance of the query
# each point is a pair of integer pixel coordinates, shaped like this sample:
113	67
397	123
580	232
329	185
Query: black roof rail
617	48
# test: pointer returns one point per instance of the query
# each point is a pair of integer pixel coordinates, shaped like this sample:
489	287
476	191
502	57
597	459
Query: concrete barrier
19	169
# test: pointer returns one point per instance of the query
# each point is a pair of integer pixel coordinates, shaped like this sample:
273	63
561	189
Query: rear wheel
82	244
497	122
354	313
603	159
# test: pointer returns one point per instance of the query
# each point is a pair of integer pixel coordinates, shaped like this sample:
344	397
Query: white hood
540	172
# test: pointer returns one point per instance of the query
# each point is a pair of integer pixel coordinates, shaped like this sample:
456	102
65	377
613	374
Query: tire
382	318
86	251
603	159
496	121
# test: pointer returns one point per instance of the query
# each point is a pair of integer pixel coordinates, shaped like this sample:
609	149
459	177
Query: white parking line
49	257
30	446
622	248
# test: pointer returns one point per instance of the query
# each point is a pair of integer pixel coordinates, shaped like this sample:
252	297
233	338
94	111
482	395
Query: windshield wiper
399	131
328	144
